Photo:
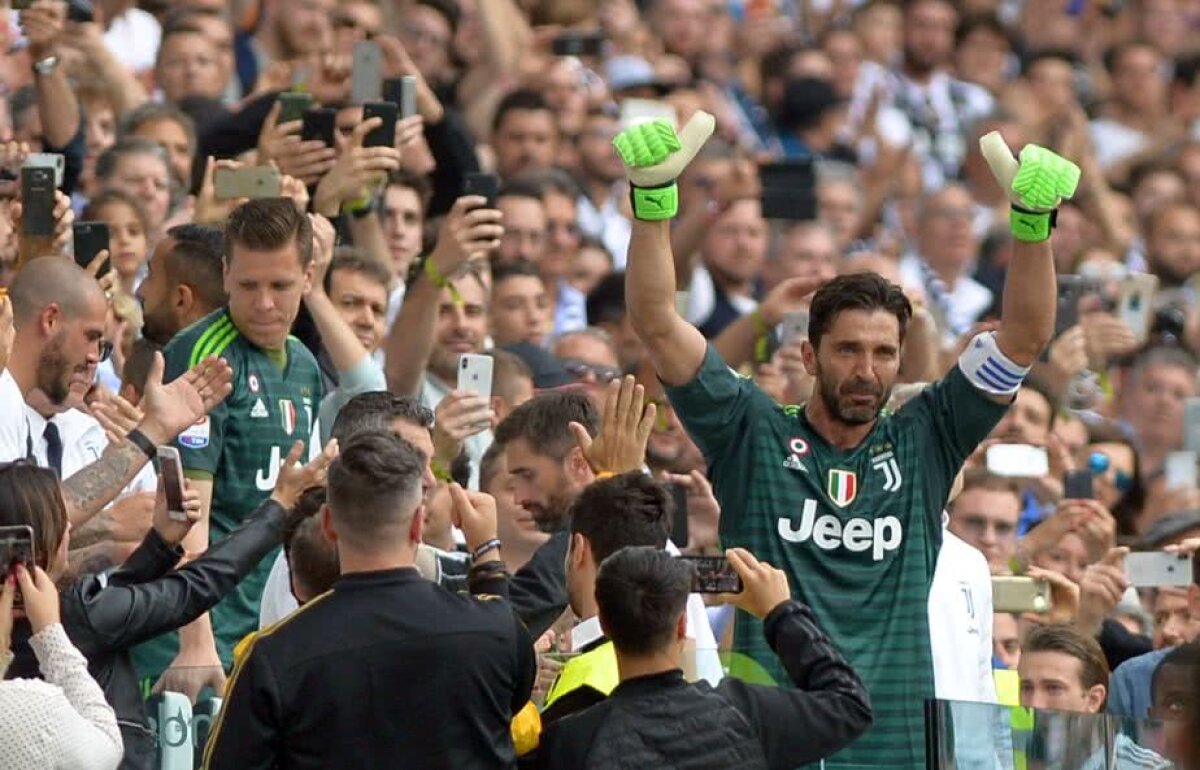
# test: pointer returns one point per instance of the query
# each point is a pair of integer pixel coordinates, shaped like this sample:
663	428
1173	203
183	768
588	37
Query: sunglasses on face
1100	463
581	369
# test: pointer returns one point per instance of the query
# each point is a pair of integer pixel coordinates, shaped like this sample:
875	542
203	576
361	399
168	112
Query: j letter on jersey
856	535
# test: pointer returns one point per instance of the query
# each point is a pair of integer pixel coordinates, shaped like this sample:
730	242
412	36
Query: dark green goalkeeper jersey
240	446
857	531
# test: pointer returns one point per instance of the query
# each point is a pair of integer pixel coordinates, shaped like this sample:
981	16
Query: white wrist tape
989	369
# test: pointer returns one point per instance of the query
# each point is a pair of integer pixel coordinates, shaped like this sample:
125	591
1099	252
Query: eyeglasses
581	369
1100	463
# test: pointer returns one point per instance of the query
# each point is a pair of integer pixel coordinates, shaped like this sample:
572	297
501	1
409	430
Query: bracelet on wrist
490	545
440	471
142	442
762	339
430	269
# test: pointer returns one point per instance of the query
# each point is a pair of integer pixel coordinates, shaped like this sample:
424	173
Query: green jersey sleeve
958	416
200	443
718	404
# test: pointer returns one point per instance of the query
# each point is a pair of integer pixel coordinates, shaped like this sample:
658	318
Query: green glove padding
654	156
1035	185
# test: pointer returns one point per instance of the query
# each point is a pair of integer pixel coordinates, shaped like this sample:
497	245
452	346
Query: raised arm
1035	185
654	156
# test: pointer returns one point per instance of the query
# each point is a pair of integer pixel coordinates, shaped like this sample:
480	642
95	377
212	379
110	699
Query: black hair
267	224
196	258
521	99
856	291
1185	656
630	509
640	594
377	410
312	559
606	300
502	271
375	488
353	261
521	186
544	422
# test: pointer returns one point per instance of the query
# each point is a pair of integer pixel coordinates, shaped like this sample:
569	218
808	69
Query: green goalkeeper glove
654	156
1035	185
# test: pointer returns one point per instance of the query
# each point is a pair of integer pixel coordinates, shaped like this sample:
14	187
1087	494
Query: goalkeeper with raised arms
847	501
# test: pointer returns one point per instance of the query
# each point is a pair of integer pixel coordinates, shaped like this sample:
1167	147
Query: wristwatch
46	66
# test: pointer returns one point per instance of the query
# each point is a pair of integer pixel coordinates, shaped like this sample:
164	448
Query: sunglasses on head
1099	463
579	369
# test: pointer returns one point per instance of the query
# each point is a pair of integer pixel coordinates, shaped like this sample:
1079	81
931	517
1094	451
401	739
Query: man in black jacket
387	669
641	593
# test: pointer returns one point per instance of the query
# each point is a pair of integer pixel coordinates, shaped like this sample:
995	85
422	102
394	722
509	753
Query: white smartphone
1153	569
1191	425
1136	306
1179	471
475	374
635	111
1020	461
171	468
366	75
793	328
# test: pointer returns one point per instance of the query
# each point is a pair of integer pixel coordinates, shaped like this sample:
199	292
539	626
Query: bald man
59	314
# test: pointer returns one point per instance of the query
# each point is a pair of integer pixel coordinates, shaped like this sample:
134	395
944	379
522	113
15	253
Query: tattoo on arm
93	531
95	486
91	560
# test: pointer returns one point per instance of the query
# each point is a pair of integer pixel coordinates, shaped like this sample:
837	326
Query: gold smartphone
1020	594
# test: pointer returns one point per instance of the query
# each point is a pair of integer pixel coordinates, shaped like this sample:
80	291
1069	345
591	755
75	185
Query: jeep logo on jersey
842	487
886	464
288	411
856	535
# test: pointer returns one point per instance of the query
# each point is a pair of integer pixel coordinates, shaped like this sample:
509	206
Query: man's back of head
378	411
374	495
52	281
641	593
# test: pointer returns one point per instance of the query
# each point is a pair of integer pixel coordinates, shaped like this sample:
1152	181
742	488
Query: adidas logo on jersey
857	535
793	463
260	410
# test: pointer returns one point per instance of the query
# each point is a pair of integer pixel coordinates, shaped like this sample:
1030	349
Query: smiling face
461	327
856	365
362	302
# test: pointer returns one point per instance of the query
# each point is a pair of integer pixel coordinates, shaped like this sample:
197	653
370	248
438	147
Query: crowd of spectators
375	563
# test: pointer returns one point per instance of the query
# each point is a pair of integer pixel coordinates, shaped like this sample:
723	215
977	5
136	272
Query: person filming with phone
641	593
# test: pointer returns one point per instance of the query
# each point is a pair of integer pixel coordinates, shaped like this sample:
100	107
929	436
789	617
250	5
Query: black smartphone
16	547
319	124
578	44
679	527
1077	485
1071	289
713	575
171	468
37	200
90	239
403	92
789	190
293	104
80	11
487	185
384	135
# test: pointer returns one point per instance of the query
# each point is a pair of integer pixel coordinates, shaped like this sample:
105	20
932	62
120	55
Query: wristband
361	207
1031	226
485	547
655	204
442	282
602	475
762	340
440	472
139	439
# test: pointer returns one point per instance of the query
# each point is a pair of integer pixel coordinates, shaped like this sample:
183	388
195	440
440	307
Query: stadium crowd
595	383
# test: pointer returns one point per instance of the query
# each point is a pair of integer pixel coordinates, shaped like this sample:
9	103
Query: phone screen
714	575
172	479
485	185
16	547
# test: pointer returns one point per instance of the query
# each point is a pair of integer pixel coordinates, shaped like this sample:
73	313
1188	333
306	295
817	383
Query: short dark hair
175	30
606	300
415	182
640	594
517	268
630	509
30	496
376	411
106	164
148	112
353	261
488	465
196	258
544	422
1186	657
312	559
524	99
855	291
138	362
555	181
985	21
508	369
266	224
374	488
1068	640
447	9
521	186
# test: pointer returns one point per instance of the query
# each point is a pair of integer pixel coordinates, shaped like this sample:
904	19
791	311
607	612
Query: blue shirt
1129	690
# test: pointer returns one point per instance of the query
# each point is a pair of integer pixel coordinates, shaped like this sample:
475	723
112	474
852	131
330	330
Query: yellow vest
596	668
1008	687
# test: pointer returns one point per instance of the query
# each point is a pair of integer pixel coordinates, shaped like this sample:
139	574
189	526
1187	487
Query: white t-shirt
14	424
83	441
960	623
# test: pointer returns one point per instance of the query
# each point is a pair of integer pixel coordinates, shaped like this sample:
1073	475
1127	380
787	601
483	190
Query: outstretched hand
171	408
294	478
625	427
